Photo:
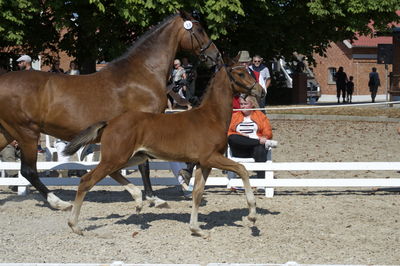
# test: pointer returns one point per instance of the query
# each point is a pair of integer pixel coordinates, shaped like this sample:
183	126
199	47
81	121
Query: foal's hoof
252	218
200	233
76	229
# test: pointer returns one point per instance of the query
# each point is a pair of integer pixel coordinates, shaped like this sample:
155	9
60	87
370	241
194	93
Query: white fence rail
120	263
267	183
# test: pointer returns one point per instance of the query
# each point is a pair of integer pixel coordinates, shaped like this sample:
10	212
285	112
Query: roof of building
367	41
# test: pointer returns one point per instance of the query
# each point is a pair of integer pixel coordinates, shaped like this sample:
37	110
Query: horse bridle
249	89
203	49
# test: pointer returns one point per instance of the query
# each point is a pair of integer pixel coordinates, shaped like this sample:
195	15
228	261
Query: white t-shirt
248	127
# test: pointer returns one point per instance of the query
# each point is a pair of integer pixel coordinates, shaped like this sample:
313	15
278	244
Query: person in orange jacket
250	133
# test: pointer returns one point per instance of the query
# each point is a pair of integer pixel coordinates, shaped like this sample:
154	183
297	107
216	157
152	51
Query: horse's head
196	39
242	81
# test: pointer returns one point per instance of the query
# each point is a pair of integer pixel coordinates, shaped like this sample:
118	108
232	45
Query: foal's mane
149	34
211	82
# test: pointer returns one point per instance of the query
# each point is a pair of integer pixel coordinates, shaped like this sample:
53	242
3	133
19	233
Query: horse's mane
210	83
148	34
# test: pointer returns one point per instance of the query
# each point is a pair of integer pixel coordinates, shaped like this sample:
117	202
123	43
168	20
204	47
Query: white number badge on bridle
188	25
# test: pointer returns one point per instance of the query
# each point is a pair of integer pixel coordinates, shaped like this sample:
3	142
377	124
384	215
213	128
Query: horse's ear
228	61
185	15
235	59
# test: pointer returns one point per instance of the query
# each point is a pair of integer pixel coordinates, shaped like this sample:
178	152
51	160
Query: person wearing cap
24	62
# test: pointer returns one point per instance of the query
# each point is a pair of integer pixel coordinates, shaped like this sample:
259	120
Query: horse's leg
135	192
217	160
29	171
199	183
144	169
87	182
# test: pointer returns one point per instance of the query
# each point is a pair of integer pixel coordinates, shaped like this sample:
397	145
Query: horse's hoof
200	233
139	208
252	219
196	231
76	229
159	203
56	203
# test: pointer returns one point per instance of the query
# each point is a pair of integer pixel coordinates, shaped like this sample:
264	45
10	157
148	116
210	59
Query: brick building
357	59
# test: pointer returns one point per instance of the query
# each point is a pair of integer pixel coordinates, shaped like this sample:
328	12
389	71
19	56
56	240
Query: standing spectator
261	73
73	69
244	58
191	76
24	62
55	68
250	133
178	79
350	89
373	83
341	80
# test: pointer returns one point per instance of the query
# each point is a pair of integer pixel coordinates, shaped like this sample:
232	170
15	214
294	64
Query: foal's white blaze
56	203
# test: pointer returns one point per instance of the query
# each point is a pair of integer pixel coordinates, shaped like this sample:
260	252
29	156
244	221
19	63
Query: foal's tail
84	137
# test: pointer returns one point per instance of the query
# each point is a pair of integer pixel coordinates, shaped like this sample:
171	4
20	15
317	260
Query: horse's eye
241	75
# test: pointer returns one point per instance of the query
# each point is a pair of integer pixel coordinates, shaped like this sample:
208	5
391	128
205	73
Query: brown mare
133	137
62	105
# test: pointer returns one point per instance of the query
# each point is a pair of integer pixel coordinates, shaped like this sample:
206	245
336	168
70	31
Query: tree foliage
99	30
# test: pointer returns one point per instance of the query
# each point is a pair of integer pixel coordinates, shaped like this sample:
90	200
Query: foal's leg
87	182
217	160
199	183
131	188
144	169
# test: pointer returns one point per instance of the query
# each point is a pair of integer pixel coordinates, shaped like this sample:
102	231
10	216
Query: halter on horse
62	105
140	135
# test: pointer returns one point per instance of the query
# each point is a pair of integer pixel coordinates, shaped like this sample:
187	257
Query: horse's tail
84	137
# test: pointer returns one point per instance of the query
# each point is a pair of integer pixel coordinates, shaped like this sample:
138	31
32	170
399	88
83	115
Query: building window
331	75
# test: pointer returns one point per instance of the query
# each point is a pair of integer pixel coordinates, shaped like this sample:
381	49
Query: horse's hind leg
131	188
144	169
199	183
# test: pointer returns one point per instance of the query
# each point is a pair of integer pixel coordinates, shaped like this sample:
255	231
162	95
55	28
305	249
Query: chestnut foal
198	135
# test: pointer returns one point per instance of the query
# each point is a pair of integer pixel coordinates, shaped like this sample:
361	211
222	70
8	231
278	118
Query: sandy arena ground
309	226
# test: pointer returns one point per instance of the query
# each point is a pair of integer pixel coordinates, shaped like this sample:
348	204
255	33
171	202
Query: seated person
250	133
11	153
60	144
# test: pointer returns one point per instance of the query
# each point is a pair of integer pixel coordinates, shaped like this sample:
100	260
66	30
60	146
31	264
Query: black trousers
341	90
244	147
